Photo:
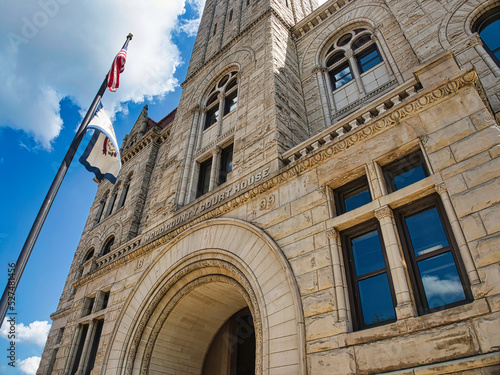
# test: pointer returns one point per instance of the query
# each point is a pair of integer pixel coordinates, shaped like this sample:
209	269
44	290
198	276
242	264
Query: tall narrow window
371	296
488	28
226	163
204	178
95	345
212	117
225	90
123	198
437	275
111	204
83	329
107	246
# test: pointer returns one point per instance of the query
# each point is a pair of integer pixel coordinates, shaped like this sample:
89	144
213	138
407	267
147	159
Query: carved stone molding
441	188
332	234
382	212
237	280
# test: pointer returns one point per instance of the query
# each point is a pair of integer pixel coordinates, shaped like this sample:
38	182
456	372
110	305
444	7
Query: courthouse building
324	200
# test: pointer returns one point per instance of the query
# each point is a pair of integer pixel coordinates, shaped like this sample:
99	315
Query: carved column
86	349
339	281
222	99
476	42
320	72
214	175
458	234
193	135
72	349
355	72
404	305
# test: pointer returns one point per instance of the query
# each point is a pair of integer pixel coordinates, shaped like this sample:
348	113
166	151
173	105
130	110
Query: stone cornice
389	119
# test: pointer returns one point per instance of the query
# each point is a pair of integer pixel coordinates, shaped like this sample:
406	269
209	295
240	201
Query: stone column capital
332	234
381	212
441	188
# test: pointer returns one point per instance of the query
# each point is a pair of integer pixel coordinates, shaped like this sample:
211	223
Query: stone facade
172	251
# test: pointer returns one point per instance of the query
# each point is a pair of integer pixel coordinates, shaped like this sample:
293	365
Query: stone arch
458	23
232	259
371	14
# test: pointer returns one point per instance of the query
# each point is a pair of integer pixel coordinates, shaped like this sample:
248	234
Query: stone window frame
329	49
353	279
215	155
431	201
407	303
477	27
343	54
349	187
108	244
215	102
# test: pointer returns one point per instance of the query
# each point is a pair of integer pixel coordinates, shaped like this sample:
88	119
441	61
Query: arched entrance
182	302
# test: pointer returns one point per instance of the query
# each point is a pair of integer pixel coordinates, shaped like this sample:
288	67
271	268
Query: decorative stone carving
382	212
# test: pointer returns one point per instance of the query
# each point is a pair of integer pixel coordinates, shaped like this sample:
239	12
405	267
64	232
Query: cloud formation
36	332
53	49
29	365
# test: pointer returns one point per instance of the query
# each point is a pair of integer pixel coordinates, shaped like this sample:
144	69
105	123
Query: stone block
318	302
439	344
482	119
307	283
477	199
473	227
491	219
441	159
488	332
335	362
482	173
310	261
450	134
476	143
323	325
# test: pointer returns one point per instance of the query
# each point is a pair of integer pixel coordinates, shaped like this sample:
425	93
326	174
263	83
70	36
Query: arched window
488	28
100	210
223	98
107	245
89	255
355	68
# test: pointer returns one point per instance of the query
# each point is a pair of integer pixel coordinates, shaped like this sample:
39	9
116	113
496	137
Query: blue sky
51	65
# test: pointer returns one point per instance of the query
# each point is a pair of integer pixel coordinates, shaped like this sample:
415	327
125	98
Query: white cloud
29	365
58	48
36	332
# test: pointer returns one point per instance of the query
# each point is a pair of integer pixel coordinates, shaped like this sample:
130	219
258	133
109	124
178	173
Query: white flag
102	155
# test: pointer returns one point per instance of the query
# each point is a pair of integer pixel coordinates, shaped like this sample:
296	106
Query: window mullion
355	72
404	307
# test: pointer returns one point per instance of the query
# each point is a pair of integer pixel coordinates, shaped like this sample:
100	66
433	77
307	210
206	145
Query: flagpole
16	273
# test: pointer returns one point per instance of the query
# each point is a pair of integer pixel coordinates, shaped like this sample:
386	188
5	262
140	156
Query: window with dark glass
124	195
212	117
231	102
436	271
226	163
368	58
111	204
107	246
82	335
204	178
88	306
488	28
405	171
352	195
88	256
372	297
340	75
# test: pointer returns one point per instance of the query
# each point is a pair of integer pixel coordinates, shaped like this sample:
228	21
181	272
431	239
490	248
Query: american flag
116	68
